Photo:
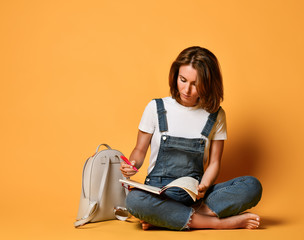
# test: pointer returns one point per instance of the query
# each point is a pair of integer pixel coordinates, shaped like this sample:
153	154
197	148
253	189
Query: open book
188	184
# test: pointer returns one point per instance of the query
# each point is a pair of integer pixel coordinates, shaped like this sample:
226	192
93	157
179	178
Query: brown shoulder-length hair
209	78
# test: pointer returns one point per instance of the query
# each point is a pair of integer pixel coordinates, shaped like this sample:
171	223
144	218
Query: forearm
211	174
138	155
213	170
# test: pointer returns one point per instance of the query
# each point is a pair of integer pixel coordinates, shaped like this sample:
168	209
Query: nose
188	88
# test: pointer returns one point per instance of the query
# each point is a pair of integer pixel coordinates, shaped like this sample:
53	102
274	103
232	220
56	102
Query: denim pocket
154	181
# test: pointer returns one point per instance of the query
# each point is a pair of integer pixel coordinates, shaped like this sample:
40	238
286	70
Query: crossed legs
225	203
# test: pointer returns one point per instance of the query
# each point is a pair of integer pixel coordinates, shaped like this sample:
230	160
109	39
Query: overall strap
209	125
162	118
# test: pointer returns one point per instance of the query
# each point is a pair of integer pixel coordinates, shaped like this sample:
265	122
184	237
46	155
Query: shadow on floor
267	222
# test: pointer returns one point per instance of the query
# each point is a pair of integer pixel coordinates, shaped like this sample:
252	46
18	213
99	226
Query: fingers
126	166
201	188
200	195
201	191
126	169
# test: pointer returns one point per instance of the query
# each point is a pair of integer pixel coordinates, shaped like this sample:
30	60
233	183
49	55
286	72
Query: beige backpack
101	190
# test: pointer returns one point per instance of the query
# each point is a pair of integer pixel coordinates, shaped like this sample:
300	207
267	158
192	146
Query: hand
127	170
201	191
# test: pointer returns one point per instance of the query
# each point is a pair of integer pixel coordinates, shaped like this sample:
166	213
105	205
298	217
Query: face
186	85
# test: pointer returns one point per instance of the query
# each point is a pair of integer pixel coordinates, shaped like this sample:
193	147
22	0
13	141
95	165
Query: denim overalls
178	157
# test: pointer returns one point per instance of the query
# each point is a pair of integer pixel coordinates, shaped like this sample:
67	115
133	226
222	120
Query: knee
135	201
254	188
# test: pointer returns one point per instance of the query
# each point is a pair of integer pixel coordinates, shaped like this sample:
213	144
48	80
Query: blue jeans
224	199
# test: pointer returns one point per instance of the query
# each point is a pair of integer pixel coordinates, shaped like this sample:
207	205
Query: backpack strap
161	113
210	123
91	212
93	204
103	144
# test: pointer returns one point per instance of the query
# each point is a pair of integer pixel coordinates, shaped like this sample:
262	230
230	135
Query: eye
182	79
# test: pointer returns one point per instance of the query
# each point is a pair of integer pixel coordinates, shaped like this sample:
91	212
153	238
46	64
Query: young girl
182	130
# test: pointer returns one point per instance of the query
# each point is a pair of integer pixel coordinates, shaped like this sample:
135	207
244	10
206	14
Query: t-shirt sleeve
149	118
220	128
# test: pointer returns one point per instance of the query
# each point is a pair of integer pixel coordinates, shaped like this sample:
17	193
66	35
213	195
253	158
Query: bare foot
245	220
145	225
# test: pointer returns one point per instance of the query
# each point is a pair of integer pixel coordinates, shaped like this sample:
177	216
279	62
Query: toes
252	225
145	225
253	221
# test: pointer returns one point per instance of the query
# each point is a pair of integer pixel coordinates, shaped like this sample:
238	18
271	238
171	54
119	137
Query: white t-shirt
186	122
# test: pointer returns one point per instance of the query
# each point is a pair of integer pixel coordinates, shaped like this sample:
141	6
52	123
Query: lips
185	96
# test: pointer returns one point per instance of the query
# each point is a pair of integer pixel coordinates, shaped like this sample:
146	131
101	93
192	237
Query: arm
138	154
213	169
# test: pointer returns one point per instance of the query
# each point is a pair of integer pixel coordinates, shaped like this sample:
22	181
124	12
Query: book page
142	186
189	184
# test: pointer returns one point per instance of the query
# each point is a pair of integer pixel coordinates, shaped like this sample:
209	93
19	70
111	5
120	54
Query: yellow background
78	73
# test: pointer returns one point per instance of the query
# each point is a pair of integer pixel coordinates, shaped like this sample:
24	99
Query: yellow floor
63	229
51	222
